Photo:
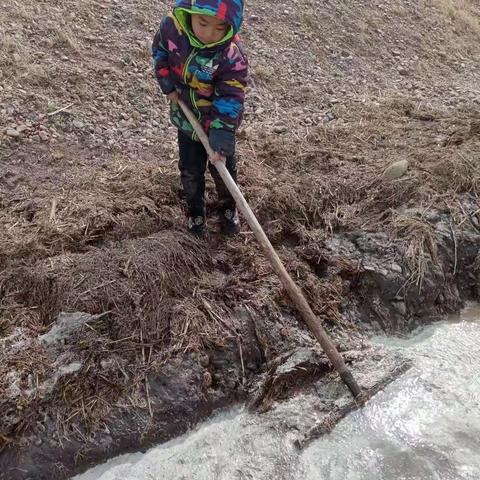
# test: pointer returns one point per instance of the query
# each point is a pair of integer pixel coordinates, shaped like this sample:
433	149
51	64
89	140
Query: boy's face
208	29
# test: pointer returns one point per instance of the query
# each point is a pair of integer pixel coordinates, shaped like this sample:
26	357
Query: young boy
198	58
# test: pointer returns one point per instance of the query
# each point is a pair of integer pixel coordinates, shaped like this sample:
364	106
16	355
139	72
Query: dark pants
192	165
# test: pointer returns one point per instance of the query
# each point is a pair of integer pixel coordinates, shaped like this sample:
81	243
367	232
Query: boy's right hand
173	97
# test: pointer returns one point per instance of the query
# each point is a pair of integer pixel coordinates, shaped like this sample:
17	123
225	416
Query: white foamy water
424	426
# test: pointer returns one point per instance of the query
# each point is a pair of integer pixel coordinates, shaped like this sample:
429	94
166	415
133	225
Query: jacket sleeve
160	58
228	98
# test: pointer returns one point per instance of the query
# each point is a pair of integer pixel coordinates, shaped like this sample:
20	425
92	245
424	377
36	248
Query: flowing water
424	426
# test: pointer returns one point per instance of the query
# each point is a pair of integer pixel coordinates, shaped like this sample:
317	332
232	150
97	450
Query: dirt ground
91	215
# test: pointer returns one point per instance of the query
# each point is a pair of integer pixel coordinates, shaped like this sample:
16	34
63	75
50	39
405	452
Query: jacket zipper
192	95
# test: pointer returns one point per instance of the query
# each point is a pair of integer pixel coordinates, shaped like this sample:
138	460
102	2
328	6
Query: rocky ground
360	153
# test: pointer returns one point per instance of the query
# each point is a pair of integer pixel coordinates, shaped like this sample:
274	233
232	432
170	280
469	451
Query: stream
423	426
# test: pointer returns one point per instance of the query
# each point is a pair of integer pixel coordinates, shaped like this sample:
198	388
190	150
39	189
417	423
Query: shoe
230	223
196	226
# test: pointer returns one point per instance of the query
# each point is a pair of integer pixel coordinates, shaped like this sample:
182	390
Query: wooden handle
293	290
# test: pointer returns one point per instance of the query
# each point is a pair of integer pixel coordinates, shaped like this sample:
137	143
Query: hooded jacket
211	79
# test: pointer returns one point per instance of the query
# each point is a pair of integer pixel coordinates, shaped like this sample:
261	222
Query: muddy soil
360	156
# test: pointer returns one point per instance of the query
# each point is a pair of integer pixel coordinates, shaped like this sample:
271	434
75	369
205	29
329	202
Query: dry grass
302	203
309	18
34	41
464	174
140	291
14	53
421	249
463	13
263	73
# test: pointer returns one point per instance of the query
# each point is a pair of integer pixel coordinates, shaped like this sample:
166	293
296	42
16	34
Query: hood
231	11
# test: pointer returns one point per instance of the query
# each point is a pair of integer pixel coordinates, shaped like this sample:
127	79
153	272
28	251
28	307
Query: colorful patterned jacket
210	79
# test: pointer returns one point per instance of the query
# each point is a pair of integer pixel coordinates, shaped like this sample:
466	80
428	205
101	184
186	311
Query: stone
395	267
280	129
43	136
328	117
207	379
204	360
11	132
65	325
400	307
396	170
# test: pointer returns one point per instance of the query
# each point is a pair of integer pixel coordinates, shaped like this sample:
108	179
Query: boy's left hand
218	158
173	96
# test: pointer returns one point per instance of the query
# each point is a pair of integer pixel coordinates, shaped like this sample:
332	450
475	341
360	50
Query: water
424	426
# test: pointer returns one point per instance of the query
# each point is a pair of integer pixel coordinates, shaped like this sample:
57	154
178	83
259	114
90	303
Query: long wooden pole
293	290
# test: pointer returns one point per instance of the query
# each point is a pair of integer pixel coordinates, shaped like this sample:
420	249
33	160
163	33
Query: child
198	58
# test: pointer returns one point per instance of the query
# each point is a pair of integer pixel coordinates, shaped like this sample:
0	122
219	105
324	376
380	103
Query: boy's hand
218	158
173	97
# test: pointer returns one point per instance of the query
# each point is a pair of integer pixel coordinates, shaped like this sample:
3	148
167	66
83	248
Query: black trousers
193	164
